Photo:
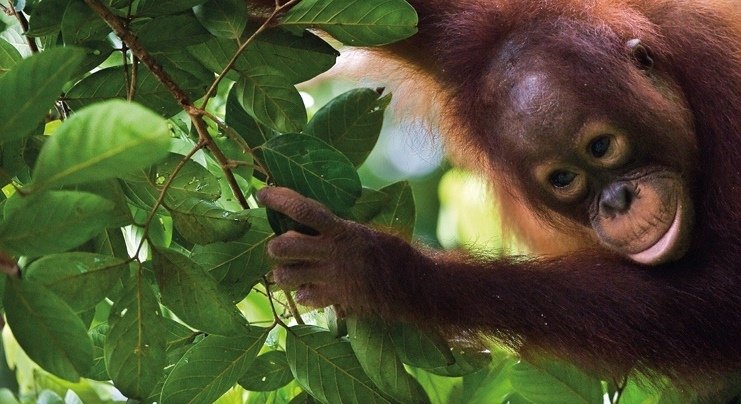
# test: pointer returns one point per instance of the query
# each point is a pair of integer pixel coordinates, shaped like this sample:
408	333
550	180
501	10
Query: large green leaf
46	18
313	168
106	140
156	34
253	133
555	382
269	372
356	22
371	341
110	82
70	276
296	57
203	222
223	18
327	368
272	99
9	56
162	7
81	25
351	122
240	264
30	88
135	346
193	181
212	367
194	296
54	221
47	329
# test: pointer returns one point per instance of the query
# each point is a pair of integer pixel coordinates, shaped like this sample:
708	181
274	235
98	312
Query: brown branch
119	28
24	25
8	266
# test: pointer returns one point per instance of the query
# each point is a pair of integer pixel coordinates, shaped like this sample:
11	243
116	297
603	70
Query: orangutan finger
299	208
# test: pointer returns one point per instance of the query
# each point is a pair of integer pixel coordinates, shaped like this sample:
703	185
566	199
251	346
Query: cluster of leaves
129	208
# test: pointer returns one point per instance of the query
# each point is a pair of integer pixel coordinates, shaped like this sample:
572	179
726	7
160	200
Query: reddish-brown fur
600	310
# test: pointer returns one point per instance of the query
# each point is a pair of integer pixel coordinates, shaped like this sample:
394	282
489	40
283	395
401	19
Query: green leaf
372	344
70	276
46	18
98	371
203	222
47	329
356	22
30	88
399	213
9	56
327	368
156	34
269	372
240	264
555	382
351	122
107	140
54	221
369	205
193	181
135	346
81	25
193	295
162	7
313	168
109	83
420	349
254	133
223	18
269	97
212	367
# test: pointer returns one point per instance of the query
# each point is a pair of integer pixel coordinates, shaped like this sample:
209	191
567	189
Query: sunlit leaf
356	22
212	366
70	276
106	140
192	294
555	382
372	344
47	329
54	221
30	88
135	345
327	368
351	122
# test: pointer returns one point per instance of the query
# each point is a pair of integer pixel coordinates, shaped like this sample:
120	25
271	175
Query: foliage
133	136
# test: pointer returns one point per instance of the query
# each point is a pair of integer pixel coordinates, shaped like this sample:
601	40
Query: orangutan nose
616	199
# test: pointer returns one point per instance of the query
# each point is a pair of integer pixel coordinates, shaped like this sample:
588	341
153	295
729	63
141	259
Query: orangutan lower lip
661	250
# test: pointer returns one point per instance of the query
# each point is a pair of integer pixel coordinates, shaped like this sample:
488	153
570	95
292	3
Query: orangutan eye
600	146
561	178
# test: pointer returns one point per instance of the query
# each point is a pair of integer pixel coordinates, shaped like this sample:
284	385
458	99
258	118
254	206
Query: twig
119	28
289	300
8	266
278	9
163	193
24	25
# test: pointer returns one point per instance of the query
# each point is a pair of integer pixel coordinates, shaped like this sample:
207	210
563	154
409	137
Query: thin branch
24	25
265	25
163	193
276	316
8	266
119	28
292	306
